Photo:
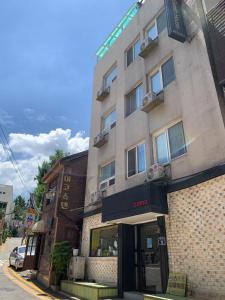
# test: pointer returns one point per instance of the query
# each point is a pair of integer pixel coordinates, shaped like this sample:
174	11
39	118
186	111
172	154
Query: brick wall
196	236
100	269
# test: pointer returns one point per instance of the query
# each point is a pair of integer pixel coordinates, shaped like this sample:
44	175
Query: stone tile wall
196	236
100	269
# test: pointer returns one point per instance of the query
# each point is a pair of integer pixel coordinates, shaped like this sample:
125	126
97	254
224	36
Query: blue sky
47	58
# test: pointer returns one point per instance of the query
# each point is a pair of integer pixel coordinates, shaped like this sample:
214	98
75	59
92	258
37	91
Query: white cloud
3	154
5	118
31	115
36	148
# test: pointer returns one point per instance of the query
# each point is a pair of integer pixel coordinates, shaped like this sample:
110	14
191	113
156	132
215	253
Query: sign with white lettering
175	20
64	203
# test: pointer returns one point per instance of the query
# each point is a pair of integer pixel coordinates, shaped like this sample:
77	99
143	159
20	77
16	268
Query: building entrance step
133	296
89	290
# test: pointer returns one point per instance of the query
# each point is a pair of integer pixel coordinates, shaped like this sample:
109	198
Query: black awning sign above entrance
175	20
142	199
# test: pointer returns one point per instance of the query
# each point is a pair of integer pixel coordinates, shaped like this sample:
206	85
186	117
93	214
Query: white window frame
111	125
161	79
136	157
165	130
126	98
107	74
154	22
132	45
108	179
159	69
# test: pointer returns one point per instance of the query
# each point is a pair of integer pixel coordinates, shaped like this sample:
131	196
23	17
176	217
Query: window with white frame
133	52
110	76
136	160
164	76
109	121
107	175
170	143
134	100
157	26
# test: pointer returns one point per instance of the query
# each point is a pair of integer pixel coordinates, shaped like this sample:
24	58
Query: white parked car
17	256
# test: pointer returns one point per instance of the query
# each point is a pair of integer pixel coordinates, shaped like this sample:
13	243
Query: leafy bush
5	233
61	255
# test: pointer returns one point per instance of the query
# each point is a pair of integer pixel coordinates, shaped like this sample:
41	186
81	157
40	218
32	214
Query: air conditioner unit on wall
97	196
152	100
147	45
142	46
103	186
157	172
102	93
76	268
147	98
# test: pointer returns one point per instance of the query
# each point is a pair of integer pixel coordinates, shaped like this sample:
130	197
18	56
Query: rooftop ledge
104	48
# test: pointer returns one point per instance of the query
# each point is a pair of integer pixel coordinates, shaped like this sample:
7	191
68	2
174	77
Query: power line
11	156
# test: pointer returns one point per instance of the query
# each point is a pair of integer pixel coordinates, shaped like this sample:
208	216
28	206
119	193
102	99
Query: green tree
61	255
42	171
59	154
20	208
39	194
5	233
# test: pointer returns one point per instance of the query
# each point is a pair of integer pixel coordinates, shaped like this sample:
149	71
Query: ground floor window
31	245
104	241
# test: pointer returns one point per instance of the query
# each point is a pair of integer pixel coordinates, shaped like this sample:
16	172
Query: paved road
9	289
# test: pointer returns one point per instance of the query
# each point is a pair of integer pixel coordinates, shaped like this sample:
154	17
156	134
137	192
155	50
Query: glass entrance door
149	258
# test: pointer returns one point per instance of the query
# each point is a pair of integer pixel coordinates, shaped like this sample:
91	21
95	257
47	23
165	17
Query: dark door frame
126	257
141	283
163	255
126	261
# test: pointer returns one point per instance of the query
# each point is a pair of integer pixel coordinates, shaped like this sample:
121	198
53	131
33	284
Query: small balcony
151	101
103	93
147	46
101	139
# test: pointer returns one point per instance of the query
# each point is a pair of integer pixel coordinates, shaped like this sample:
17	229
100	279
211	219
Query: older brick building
61	218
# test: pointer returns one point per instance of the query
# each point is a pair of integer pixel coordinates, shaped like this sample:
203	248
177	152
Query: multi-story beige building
155	103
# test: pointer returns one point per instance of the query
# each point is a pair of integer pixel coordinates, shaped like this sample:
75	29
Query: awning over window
39	227
142	199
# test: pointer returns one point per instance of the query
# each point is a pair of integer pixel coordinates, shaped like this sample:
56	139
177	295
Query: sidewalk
27	282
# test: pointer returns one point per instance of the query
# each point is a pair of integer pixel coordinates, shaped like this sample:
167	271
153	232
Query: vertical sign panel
175	20
65	196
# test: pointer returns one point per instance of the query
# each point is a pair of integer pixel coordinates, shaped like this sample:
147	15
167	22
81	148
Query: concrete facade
190	98
6	196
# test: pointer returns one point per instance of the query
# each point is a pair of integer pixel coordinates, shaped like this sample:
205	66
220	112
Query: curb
28	286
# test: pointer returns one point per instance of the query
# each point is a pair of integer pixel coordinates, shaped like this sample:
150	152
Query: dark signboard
145	198
216	28
175	20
